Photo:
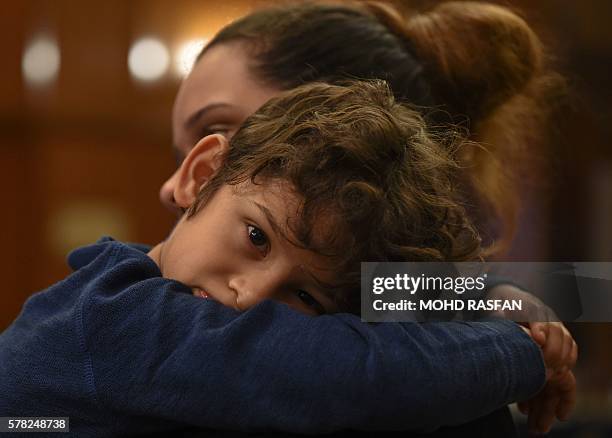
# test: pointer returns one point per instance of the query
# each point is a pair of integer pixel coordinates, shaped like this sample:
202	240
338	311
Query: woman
475	65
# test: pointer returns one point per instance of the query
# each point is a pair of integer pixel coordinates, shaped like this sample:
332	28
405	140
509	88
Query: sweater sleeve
155	351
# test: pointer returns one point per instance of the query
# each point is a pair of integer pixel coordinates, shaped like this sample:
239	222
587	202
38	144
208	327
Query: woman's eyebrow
202	111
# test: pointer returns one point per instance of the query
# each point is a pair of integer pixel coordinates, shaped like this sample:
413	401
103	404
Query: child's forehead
272	196
276	200
262	187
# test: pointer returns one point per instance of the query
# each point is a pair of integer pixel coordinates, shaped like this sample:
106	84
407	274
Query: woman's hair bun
478	55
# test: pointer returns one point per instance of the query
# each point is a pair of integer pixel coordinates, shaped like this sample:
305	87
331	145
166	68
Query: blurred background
85	102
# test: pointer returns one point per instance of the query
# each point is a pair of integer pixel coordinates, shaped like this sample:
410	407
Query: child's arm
271	367
116	346
158	352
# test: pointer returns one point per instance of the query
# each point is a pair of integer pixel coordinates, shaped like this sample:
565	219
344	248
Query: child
307	180
318	180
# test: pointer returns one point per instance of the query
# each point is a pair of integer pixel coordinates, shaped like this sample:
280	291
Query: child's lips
202	294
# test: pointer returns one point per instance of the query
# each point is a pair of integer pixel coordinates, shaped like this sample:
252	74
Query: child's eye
258	238
310	301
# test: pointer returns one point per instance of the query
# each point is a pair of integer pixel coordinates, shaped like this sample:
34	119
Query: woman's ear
198	168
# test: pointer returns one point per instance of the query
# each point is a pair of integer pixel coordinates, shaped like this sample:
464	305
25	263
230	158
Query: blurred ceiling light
148	59
41	61
186	56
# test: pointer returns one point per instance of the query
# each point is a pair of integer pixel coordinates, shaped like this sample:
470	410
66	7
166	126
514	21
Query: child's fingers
567	399
533	419
553	350
567	355
547	414
558	346
573	354
538	332
572	350
557	399
568	345
565	408
564	356
542	410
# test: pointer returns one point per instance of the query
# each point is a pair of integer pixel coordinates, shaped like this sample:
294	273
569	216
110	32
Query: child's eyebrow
271	219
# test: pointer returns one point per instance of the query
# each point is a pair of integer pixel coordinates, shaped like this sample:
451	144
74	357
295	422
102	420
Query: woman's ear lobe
198	168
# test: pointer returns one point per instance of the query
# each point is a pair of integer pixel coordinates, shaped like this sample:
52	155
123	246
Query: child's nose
256	287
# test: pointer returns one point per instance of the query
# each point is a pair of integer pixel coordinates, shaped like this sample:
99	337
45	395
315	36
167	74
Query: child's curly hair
372	184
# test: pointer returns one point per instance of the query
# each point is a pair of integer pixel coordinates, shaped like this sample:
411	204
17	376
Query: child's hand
558	397
558	347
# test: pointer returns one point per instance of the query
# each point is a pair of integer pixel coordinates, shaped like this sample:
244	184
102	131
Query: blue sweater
119	349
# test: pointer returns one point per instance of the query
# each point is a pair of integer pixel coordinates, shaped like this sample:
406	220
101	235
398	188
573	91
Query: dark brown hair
372	185
471	64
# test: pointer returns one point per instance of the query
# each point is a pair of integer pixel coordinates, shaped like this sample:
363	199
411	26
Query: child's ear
198	168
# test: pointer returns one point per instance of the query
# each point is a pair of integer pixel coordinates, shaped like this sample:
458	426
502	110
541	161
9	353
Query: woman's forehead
221	76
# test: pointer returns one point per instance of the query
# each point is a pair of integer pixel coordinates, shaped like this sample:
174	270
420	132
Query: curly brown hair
474	66
372	184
